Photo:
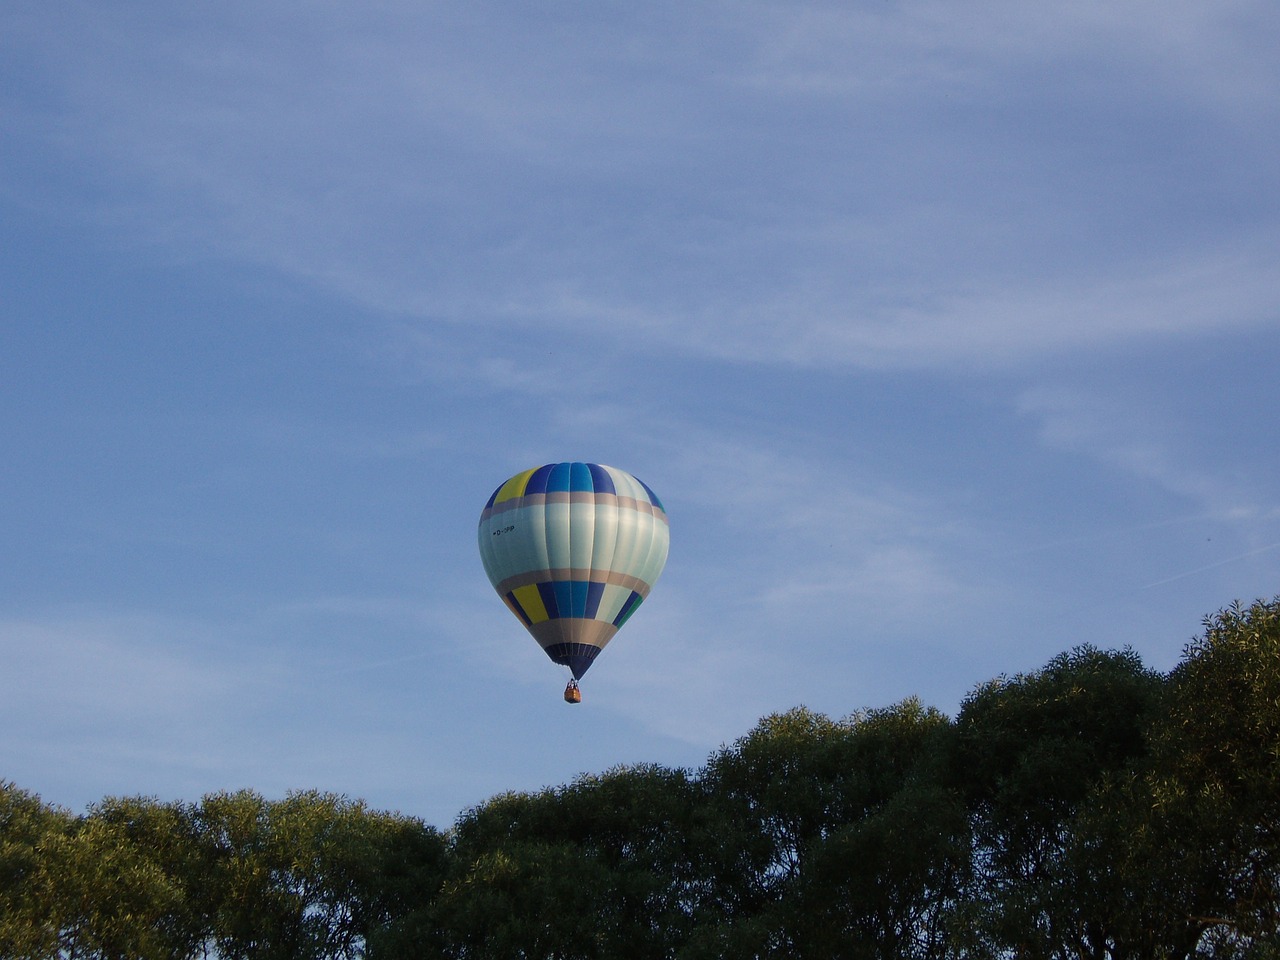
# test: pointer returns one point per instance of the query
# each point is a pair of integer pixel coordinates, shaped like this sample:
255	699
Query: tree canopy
1093	809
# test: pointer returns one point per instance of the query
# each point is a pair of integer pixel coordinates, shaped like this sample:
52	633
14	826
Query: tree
529	900
1216	785
313	875
886	882
405	873
816	808
108	885
623	853
136	877
782	783
1029	752
32	837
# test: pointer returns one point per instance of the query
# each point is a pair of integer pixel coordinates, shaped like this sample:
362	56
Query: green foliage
530	899
1089	810
1219	770
309	876
1028	753
887	885
33	840
1224	714
821	813
625	852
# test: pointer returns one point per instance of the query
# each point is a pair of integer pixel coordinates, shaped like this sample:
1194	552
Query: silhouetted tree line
1091	809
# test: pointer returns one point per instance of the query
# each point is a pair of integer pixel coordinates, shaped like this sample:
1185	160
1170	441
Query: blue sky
948	334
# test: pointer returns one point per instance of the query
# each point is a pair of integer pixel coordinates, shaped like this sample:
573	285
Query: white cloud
132	670
117	704
778	532
290	696
1216	53
990	325
1136	443
445	165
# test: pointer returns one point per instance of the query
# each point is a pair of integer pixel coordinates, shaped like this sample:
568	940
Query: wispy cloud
118	703
499	181
138	671
779	535
1213	566
1125	438
284	697
1211	53
973	329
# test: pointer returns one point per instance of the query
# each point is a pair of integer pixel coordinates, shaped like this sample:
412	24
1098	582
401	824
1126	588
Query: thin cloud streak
1211	566
228	138
995	331
1211	54
1104	430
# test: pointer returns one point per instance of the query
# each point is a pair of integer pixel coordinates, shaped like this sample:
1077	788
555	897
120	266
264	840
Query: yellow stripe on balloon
514	487
530	601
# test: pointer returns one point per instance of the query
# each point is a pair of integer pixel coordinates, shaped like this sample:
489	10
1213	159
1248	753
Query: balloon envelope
573	549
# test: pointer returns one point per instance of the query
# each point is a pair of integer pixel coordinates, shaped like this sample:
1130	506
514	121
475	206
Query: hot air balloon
573	549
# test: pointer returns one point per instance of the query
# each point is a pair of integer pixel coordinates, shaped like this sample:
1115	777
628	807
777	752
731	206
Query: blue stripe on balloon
572	597
628	608
538	480
580	597
548	593
564	598
595	590
600	480
558	479
580	478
